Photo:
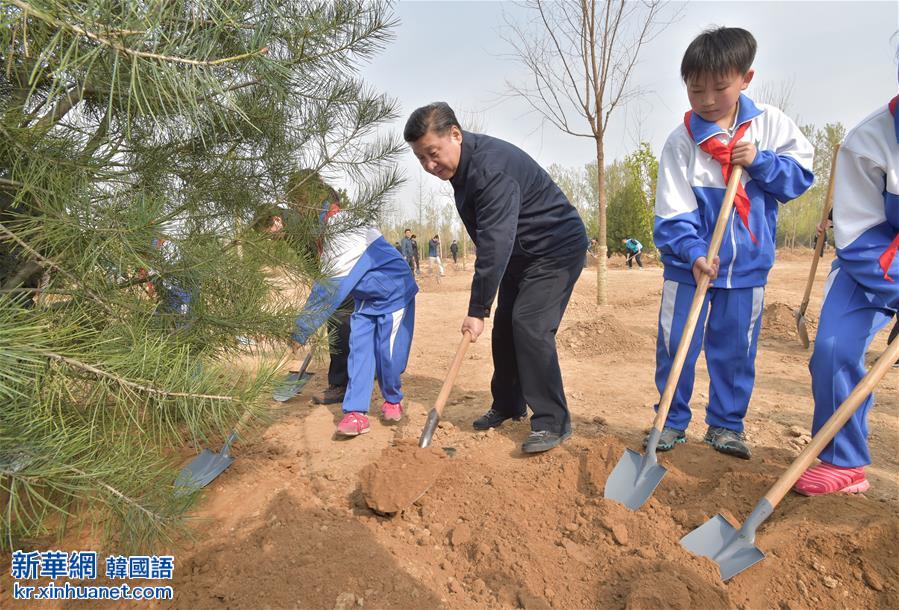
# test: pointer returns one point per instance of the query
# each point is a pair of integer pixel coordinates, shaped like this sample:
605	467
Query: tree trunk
602	248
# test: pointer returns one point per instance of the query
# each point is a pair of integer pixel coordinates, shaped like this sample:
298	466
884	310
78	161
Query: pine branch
136	386
156	518
133	52
53	265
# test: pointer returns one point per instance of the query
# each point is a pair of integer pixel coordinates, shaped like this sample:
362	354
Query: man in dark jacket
530	245
407	249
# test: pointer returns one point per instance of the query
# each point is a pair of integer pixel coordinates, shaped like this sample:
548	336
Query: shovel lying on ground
635	477
204	468
434	415
734	549
801	329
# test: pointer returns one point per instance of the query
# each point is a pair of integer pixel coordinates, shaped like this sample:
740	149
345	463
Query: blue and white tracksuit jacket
362	264
689	195
858	299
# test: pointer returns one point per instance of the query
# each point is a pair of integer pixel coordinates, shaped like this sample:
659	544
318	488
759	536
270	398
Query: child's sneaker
825	478
668	439
353	424
392	411
728	441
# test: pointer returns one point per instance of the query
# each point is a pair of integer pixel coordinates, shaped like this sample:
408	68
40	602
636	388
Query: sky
839	58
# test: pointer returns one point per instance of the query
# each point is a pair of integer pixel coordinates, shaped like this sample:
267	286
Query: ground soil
288	525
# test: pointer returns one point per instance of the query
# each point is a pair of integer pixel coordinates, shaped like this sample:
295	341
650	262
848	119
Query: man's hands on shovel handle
473	326
702	267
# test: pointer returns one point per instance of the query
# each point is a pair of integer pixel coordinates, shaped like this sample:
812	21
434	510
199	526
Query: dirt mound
400	475
540	535
537	533
299	557
779	323
603	335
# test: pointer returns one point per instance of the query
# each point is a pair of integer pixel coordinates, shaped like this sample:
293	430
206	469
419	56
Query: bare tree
581	55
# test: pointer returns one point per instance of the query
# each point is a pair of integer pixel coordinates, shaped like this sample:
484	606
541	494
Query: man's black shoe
543	440
492	419
332	395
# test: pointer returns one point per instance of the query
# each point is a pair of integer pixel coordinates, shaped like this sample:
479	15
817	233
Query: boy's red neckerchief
721	153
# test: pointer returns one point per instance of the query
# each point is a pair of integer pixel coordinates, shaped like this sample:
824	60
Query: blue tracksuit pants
379	345
850	317
729	323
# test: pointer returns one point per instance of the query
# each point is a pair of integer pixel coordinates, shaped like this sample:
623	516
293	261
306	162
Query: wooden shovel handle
834	424
819	243
453	371
699	296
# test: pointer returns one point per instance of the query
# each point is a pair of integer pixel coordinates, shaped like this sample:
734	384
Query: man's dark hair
407	231
719	52
437	117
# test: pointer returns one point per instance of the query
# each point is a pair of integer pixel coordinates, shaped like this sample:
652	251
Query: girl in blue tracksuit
861	296
694	163
361	264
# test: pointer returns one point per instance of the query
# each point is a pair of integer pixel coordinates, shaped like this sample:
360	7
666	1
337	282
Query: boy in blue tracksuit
361	264
861	297
723	128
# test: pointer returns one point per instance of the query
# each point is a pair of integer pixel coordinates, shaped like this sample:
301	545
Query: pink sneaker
392	411
353	424
825	478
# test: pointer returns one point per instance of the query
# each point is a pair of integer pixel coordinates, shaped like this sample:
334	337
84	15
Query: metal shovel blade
204	468
633	480
290	387
430	427
732	549
801	329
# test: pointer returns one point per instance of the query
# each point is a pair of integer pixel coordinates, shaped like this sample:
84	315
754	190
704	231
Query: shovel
734	550
204	468
434	415
293	383
801	329
635	477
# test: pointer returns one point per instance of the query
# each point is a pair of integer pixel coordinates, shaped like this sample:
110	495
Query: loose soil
779	322
604	335
400	475
289	524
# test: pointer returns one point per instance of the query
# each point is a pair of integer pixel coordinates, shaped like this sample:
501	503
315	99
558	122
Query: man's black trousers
533	295
339	340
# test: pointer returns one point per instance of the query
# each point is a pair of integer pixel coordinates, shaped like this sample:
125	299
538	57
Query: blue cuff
764	159
695	252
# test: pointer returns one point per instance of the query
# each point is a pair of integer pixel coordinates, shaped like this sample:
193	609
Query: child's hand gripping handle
702	287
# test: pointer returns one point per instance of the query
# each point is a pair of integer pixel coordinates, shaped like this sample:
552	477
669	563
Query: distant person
454	250
723	128
634	251
407	249
862	295
399	248
416	254
434	255
530	246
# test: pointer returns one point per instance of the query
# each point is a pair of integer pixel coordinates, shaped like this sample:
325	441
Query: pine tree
138	142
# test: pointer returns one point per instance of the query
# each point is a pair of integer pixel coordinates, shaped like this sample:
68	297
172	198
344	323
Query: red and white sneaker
825	478
392	411
353	424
